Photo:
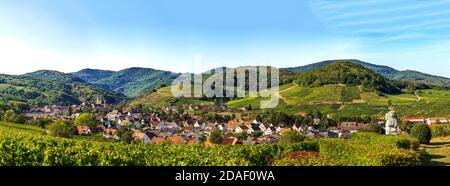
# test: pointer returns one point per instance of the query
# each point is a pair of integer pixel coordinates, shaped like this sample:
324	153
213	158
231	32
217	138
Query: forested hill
92	75
388	72
132	82
346	73
50	87
54	76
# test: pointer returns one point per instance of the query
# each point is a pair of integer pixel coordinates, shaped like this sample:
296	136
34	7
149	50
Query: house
123	122
231	125
313	134
253	128
295	128
437	120
324	134
158	140
175	139
155	124
413	119
351	126
112	115
262	127
140	136
172	125
278	129
270	131
229	140
241	129
316	121
150	134
137	125
196	125
82	130
162	126
335	133
223	127
108	133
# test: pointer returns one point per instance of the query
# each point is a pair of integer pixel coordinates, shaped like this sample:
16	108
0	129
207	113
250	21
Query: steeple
98	102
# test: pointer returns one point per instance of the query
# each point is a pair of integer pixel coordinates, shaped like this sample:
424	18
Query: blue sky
69	35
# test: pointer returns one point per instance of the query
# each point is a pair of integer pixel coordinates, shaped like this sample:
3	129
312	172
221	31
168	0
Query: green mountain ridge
92	75
132	82
46	87
346	73
388	72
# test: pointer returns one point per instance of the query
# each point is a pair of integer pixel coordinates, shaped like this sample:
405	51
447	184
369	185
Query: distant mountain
383	70
346	73
51	87
415	76
386	71
92	75
132	82
54	76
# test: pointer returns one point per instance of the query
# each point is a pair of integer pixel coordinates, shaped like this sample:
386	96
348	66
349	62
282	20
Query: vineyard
24	148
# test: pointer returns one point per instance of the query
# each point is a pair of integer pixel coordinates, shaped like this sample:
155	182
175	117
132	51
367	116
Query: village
178	124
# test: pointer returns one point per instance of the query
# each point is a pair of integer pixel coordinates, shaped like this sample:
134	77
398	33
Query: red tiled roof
411	118
176	139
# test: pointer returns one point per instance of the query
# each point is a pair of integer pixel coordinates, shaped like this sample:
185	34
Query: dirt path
280	96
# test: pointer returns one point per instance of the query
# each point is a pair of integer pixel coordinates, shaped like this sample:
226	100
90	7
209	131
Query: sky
70	35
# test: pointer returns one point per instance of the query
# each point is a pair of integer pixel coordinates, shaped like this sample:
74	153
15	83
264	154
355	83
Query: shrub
60	129
13	117
373	128
440	131
125	134
422	133
291	137
87	119
216	137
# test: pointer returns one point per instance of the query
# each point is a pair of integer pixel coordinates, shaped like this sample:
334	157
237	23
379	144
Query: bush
12	117
422	133
373	128
87	119
216	137
291	137
356	154
440	131
60	129
125	134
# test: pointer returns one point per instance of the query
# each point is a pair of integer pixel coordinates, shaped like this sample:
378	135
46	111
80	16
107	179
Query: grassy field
438	152
22	127
164	97
351	101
